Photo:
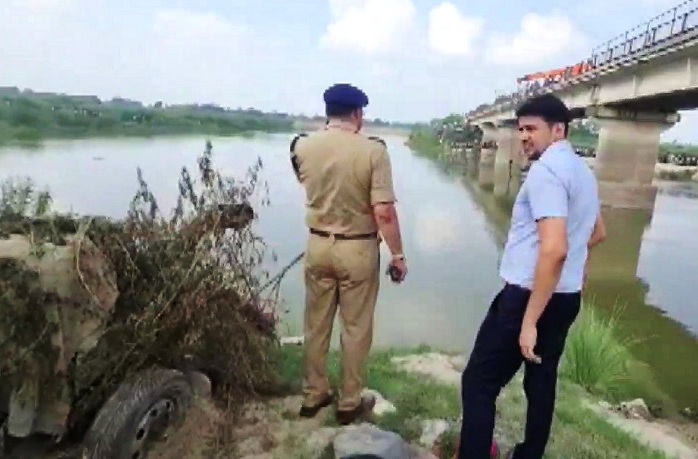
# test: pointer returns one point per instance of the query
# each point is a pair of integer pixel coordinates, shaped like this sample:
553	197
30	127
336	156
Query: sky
416	59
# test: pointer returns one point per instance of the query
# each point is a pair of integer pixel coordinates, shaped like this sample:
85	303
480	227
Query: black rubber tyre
138	411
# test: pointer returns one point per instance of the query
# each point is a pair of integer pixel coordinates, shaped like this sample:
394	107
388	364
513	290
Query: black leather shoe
311	411
366	405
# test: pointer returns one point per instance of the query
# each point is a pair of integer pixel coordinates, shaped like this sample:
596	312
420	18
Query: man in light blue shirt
555	221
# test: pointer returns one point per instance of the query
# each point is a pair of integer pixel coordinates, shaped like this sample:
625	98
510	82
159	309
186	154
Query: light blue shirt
559	184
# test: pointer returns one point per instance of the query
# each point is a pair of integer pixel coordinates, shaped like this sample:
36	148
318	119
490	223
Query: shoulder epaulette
295	139
377	139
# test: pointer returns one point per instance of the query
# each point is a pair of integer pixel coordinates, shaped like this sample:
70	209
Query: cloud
183	26
194	54
451	33
31	18
40	5
189	39
170	54
539	39
368	26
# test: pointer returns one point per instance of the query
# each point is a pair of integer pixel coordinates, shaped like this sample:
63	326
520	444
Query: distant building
86	100
119	102
9	91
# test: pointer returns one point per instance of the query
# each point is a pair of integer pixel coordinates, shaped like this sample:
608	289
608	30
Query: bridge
631	86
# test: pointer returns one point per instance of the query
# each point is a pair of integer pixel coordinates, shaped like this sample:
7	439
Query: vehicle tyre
138	411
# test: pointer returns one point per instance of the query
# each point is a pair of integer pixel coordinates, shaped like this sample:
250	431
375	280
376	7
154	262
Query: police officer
349	200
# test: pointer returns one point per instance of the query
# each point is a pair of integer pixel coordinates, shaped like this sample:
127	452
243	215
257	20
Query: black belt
527	291
344	236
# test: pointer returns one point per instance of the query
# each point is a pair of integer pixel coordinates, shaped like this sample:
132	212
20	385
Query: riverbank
34	138
418	408
421	392
368	128
37	139
664	171
28	118
425	144
31	138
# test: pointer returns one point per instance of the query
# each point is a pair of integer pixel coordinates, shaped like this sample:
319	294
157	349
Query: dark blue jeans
496	357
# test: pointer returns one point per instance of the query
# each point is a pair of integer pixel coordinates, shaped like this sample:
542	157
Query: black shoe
366	405
311	411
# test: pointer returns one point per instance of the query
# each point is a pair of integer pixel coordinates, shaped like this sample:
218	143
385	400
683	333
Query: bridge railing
661	32
651	35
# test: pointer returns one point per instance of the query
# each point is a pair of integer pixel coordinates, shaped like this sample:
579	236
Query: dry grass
192	289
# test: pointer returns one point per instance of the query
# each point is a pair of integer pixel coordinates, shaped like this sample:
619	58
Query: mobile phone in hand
395	273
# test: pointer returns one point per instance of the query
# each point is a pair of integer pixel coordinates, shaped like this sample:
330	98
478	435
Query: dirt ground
674	438
265	429
271	428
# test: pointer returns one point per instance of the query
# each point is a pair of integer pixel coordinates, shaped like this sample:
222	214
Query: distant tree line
27	116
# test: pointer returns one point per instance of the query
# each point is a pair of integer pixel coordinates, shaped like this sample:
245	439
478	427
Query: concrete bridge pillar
626	156
508	144
506	167
488	152
472	160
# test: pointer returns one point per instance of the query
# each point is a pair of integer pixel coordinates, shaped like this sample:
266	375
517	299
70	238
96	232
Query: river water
453	233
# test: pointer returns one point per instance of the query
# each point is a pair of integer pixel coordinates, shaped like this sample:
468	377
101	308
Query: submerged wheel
139	411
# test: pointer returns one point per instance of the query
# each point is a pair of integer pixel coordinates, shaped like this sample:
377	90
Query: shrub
596	356
189	284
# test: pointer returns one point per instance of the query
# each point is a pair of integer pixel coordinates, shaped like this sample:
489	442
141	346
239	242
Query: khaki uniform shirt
344	174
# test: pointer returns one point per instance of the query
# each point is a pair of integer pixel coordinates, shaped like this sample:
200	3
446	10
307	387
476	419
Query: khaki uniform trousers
342	273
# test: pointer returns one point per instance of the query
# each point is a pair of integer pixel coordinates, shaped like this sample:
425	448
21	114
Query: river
453	233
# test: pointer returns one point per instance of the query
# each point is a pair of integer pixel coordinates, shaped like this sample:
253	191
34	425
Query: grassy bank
423	139
29	118
582	136
596	364
424	143
599	360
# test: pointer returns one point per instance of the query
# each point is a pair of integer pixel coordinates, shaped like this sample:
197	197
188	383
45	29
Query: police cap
345	95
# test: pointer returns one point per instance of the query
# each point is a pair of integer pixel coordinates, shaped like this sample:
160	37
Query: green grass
28	119
595	358
577	433
424	143
600	360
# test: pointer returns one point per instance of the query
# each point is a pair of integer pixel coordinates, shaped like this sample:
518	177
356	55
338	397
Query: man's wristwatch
398	256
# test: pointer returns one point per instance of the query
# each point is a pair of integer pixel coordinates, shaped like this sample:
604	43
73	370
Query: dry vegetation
192	291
